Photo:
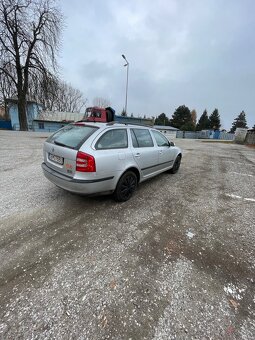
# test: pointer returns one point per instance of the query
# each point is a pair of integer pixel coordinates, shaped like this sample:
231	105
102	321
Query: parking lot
177	261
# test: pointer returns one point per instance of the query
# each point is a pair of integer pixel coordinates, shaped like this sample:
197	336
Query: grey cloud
197	53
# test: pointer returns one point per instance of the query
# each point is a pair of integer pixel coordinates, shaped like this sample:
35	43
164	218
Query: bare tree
57	95
42	89
7	90
101	102
69	98
29	37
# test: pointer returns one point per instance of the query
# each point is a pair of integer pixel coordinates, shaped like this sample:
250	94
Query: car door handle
137	155
160	151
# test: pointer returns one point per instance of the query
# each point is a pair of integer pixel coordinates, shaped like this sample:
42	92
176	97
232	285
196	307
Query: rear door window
160	139
141	138
113	139
72	136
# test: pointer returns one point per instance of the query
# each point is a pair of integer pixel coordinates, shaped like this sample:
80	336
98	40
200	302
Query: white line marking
240	163
249	199
234	162
233	196
238	173
240	197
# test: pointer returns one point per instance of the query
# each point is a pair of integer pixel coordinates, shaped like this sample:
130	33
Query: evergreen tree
181	119
162	119
253	127
214	120
189	126
239	122
203	123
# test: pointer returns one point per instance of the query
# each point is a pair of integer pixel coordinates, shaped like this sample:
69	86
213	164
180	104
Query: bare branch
29	41
101	102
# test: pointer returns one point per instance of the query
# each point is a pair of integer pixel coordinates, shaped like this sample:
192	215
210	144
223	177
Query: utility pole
126	65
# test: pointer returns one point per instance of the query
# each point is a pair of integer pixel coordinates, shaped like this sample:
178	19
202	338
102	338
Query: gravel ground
175	262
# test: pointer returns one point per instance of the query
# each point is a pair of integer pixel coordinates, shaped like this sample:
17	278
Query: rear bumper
81	186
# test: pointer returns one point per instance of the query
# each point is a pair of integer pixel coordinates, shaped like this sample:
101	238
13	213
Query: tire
176	165
126	187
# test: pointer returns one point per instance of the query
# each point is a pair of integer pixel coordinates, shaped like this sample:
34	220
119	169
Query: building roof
58	116
165	127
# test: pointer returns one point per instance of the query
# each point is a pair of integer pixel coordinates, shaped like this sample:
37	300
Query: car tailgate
60	159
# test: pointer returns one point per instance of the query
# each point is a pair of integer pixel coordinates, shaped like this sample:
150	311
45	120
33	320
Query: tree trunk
22	109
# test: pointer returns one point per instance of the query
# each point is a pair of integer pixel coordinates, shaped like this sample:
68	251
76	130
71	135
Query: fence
206	134
250	137
5	124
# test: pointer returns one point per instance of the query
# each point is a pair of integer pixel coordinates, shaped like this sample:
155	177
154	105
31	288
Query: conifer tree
203	123
239	122
182	119
214	120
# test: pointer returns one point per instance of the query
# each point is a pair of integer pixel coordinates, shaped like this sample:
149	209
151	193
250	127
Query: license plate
56	159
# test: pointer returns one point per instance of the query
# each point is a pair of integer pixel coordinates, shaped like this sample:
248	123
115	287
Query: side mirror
172	144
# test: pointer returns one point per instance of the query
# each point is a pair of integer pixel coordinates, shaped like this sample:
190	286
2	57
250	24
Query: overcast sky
199	53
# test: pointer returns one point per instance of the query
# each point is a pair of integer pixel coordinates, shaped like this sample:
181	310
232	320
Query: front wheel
176	165
126	187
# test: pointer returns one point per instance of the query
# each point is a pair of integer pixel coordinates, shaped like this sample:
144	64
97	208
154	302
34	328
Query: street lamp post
127	65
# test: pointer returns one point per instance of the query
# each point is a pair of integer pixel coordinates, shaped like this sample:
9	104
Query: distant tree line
101	102
186	120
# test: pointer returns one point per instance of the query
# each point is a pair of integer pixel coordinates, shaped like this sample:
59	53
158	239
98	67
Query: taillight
85	162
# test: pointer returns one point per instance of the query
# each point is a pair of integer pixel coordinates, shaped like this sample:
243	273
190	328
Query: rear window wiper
62	144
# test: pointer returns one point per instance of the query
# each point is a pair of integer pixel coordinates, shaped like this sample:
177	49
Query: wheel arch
135	170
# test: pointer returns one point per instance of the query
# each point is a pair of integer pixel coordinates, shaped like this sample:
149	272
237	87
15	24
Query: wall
240	135
47	126
168	134
205	135
14	117
250	137
33	110
5	124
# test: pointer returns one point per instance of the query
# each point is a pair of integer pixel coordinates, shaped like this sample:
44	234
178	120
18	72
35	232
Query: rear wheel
176	165
126	187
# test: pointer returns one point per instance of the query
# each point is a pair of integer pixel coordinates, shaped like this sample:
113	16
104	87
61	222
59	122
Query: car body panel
166	157
146	160
79	186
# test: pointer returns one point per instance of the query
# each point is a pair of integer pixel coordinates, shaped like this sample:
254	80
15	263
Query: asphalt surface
175	262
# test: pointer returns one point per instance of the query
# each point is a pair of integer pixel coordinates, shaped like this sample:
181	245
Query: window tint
160	139
72	136
113	139
141	138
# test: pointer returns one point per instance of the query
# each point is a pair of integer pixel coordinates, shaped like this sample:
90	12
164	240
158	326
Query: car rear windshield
72	136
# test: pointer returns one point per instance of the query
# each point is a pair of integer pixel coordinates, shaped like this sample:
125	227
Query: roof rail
123	123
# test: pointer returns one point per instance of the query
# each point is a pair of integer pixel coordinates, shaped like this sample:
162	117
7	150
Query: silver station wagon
92	158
